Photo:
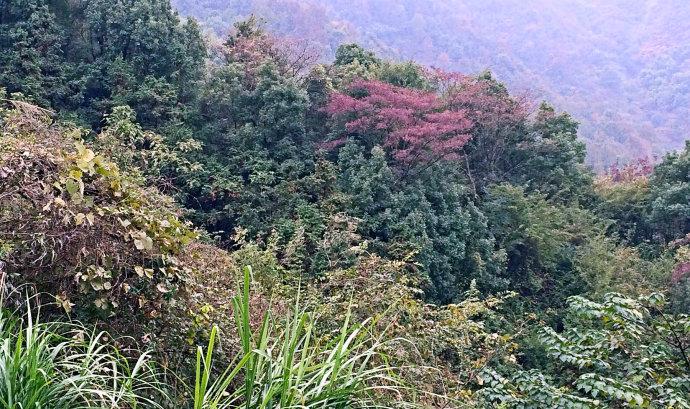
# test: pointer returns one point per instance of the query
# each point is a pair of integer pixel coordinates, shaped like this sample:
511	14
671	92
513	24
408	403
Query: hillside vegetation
188	222
619	67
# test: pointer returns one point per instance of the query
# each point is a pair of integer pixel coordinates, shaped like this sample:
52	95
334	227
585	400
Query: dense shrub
620	352
78	227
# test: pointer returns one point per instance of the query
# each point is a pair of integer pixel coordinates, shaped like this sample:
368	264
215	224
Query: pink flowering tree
414	126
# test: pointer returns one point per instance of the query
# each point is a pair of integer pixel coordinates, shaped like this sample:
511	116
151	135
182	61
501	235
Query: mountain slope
620	67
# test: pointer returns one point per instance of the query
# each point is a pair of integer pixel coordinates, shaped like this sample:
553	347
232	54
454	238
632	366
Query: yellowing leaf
139	270
75	174
143	243
85	157
79	218
64	302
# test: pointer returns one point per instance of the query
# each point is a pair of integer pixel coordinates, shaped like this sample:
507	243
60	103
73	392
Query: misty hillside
278	212
620	67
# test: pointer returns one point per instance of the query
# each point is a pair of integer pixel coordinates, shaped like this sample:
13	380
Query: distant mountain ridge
621	67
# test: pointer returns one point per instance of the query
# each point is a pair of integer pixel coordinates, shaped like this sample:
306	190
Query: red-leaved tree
639	168
415	126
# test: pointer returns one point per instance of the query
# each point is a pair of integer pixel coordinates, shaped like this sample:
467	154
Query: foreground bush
77	226
621	352
282	363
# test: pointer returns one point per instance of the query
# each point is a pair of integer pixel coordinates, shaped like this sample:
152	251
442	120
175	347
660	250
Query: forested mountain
619	67
229	221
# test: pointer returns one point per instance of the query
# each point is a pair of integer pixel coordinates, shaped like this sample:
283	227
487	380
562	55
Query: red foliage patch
642	167
680	271
417	126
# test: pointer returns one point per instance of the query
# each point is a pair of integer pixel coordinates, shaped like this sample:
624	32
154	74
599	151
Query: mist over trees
619	67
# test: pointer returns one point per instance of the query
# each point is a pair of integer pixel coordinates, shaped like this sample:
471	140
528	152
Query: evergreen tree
32	60
430	219
89	56
670	196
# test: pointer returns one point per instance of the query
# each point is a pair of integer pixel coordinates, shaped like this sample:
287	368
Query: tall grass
285	365
64	366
